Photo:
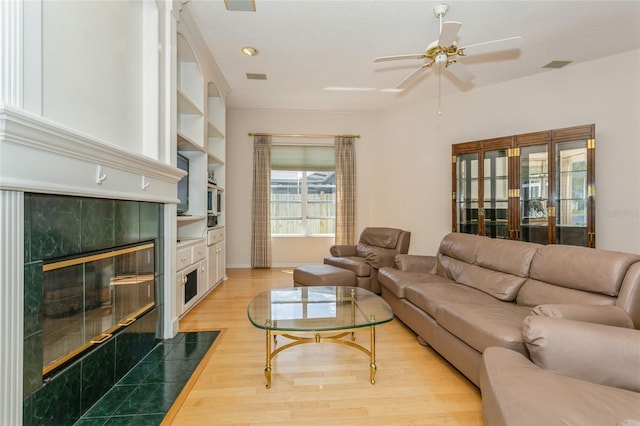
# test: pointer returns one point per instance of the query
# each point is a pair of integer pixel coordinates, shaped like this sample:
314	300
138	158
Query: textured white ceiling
307	45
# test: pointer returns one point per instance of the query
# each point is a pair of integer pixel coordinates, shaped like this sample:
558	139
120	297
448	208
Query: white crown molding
43	156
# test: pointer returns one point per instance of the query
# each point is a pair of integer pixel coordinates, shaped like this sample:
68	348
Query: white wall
404	157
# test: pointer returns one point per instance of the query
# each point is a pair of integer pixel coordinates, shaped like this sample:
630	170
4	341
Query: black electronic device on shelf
183	186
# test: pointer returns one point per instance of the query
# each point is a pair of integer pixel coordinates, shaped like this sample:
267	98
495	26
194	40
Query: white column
11	52
11	305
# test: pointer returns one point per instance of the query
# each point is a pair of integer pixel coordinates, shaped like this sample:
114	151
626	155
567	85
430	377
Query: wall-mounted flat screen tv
183	186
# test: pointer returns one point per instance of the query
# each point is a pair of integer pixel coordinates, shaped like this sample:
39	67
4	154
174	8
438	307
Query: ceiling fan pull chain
439	89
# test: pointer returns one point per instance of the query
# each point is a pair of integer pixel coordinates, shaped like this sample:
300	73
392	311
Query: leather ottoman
323	275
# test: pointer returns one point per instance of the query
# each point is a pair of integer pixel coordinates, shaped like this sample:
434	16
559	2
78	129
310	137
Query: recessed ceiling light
249	51
556	64
240	5
256	76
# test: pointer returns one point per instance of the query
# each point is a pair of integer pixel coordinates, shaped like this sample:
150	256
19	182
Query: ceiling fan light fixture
249	51
441	58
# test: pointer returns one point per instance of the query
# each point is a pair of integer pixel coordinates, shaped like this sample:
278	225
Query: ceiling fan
443	52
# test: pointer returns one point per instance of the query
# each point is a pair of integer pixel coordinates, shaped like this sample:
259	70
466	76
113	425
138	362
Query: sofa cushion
353	263
500	285
534	293
431	296
517	392
582	268
481	325
396	281
512	257
597	353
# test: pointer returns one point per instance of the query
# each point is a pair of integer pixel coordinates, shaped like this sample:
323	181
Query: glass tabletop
309	309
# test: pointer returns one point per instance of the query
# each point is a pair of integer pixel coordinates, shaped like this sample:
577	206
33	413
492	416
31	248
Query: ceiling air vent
256	76
240	5
557	64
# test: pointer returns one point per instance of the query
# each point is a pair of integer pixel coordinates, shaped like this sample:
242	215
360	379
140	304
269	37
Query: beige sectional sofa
477	292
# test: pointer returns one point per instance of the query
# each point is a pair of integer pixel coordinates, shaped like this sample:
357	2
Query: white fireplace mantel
39	155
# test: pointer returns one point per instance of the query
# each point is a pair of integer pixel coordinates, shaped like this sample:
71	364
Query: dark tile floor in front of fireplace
146	393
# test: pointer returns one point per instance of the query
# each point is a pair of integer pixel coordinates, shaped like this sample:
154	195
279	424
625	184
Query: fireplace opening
88	298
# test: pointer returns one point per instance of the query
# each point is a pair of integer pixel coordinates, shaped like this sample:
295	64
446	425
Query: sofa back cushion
581	268
380	245
512	257
534	293
498	284
497	267
460	246
629	297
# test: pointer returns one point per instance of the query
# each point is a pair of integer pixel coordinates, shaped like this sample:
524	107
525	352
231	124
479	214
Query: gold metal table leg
267	368
372	366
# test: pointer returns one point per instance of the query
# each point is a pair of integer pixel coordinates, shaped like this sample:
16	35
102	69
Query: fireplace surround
81	234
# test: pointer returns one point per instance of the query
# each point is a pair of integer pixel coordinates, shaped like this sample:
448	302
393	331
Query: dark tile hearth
145	394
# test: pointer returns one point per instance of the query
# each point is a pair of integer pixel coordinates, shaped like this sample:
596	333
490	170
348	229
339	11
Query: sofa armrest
593	352
606	315
343	250
416	263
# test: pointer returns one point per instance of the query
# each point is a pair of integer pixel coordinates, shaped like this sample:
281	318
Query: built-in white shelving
201	118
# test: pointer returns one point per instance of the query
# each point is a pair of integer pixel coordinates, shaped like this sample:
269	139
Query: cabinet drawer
183	258
199	252
215	236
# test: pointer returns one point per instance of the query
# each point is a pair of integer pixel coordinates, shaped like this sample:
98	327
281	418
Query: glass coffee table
328	314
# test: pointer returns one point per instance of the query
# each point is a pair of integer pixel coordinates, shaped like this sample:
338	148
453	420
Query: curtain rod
288	135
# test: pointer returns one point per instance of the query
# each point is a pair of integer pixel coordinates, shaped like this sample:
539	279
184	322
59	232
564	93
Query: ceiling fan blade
412	76
449	33
395	57
460	72
491	42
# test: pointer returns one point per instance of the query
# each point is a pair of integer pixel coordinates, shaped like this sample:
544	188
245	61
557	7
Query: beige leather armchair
376	248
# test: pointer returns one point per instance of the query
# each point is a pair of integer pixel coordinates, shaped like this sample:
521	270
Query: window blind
305	158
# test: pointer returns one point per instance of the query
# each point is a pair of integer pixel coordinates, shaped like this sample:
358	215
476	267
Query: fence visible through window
302	203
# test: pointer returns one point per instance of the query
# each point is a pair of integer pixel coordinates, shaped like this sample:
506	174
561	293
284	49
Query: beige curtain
261	203
345	190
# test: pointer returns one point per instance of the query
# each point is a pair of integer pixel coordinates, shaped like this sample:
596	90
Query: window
303	190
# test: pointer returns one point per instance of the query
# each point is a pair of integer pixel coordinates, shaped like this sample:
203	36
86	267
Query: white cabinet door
220	260
213	266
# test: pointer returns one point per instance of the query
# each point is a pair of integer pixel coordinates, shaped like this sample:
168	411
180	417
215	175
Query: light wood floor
319	384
